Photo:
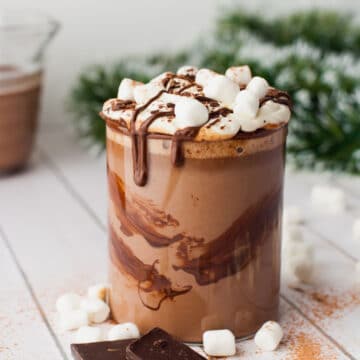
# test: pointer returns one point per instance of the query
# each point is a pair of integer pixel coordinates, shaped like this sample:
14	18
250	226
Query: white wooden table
53	239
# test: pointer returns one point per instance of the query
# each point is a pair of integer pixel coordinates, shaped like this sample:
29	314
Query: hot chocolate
195	187
19	104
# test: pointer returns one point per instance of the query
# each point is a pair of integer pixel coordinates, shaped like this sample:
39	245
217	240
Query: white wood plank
74	176
23	332
56	242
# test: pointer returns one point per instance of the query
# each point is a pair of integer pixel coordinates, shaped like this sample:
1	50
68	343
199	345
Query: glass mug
24	37
198	247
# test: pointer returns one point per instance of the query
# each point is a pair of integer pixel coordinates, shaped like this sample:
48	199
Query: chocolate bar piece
105	350
159	345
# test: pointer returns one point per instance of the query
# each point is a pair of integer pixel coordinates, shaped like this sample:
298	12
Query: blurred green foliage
313	55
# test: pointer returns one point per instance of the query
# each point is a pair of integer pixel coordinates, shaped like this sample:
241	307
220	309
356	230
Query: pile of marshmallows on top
190	112
77	313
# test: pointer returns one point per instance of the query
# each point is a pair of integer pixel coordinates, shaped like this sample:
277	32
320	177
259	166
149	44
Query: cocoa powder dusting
326	305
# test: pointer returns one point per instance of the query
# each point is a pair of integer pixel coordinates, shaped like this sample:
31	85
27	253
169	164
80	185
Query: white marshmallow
190	112
144	93
203	76
98	311
246	104
356	229
68	302
219	343
268	337
74	319
273	113
124	331
222	89
298	261
187	70
87	334
292	233
328	199
99	291
293	215
258	86
239	74
126	89
248	123
357	267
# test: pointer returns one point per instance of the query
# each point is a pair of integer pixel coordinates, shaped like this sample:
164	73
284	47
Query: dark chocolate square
104	350
159	345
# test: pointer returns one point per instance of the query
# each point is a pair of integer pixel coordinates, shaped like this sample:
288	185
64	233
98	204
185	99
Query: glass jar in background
24	36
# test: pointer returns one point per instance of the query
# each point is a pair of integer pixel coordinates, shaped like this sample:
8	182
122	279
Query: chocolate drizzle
153	287
173	84
141	216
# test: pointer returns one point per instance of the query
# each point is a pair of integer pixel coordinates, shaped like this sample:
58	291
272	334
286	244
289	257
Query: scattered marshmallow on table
68	302
356	229
222	89
190	112
258	86
98	311
73	319
99	291
246	103
268	337
219	343
239	74
293	215
87	334
297	255
124	331
328	198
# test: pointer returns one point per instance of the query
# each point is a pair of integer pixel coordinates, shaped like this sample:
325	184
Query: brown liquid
197	247
19	103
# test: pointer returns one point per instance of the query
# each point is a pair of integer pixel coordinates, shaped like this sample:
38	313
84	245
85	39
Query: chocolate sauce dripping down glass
139	136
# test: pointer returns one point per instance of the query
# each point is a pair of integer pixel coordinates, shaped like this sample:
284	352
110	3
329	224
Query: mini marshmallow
73	319
239	74
298	260
293	215
292	233
268	337
187	70
87	334
190	112
258	86
68	302
222	89
247	123
144	93
203	76
124	331
246	104
126	89
356	229
98	311
99	291
219	343
327	198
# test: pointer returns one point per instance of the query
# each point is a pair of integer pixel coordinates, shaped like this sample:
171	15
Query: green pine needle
313	55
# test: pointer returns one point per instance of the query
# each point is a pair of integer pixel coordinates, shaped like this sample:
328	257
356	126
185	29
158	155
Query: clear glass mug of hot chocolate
195	164
24	36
